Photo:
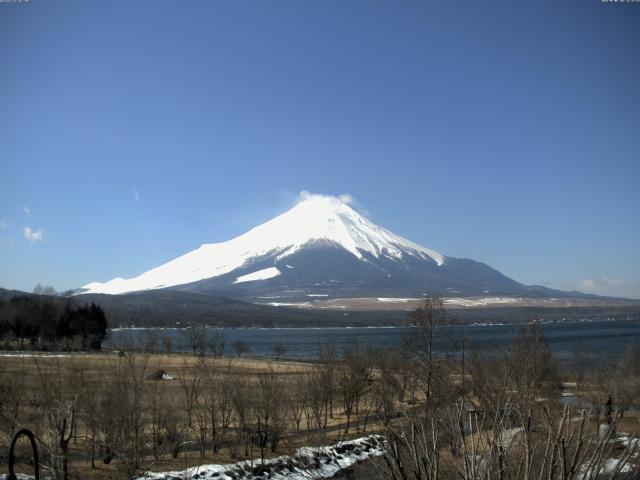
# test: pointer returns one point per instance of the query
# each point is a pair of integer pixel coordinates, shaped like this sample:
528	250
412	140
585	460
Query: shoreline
364	327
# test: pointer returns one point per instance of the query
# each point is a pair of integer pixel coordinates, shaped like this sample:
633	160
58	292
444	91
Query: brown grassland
73	375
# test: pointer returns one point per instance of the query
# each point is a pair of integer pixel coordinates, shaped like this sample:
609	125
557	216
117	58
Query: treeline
46	321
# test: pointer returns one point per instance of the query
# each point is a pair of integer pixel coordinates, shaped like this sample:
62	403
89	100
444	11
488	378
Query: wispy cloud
589	284
33	236
346	198
136	193
5	225
26	209
610	286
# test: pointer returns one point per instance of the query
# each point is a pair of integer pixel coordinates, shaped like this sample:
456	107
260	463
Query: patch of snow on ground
478	301
610	465
39	355
383	299
509	436
308	462
285	304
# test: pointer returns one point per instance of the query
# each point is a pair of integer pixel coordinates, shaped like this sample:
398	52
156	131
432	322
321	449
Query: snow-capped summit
320	247
319	217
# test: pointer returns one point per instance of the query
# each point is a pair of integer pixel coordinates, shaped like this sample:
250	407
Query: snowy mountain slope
316	219
321	247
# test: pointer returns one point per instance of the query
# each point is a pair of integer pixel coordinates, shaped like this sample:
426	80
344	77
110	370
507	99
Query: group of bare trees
199	340
497	414
117	410
204	341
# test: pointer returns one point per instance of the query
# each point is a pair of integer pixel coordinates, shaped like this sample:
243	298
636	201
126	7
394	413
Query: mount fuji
325	248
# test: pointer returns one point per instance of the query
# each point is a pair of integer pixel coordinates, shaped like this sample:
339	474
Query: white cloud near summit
346	198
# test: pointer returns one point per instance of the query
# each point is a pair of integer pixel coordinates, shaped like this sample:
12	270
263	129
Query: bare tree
201	411
279	350
189	379
194	336
327	363
353	376
243	409
421	343
490	446
534	370
622	379
12	387
148	340
269	411
135	368
58	411
212	393
225	396
167	344
387	390
297	400
317	394
217	342
240	347
87	405
155	407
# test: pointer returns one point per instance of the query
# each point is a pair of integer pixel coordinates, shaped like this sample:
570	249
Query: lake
602	339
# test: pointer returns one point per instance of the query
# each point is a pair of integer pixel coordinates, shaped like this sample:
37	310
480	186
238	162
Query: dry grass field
43	380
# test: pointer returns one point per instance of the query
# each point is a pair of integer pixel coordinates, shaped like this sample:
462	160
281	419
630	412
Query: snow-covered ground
393	300
307	463
458	301
403	303
34	354
479	301
289	304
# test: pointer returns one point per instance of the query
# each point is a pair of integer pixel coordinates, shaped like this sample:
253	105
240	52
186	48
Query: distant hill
6	295
171	308
174	308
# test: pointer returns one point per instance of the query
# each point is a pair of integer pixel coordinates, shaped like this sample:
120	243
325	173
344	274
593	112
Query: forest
44	321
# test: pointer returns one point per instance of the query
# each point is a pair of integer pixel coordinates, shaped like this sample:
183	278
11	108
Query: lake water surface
600	339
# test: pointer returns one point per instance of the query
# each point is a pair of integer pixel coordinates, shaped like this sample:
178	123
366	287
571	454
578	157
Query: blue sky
133	131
